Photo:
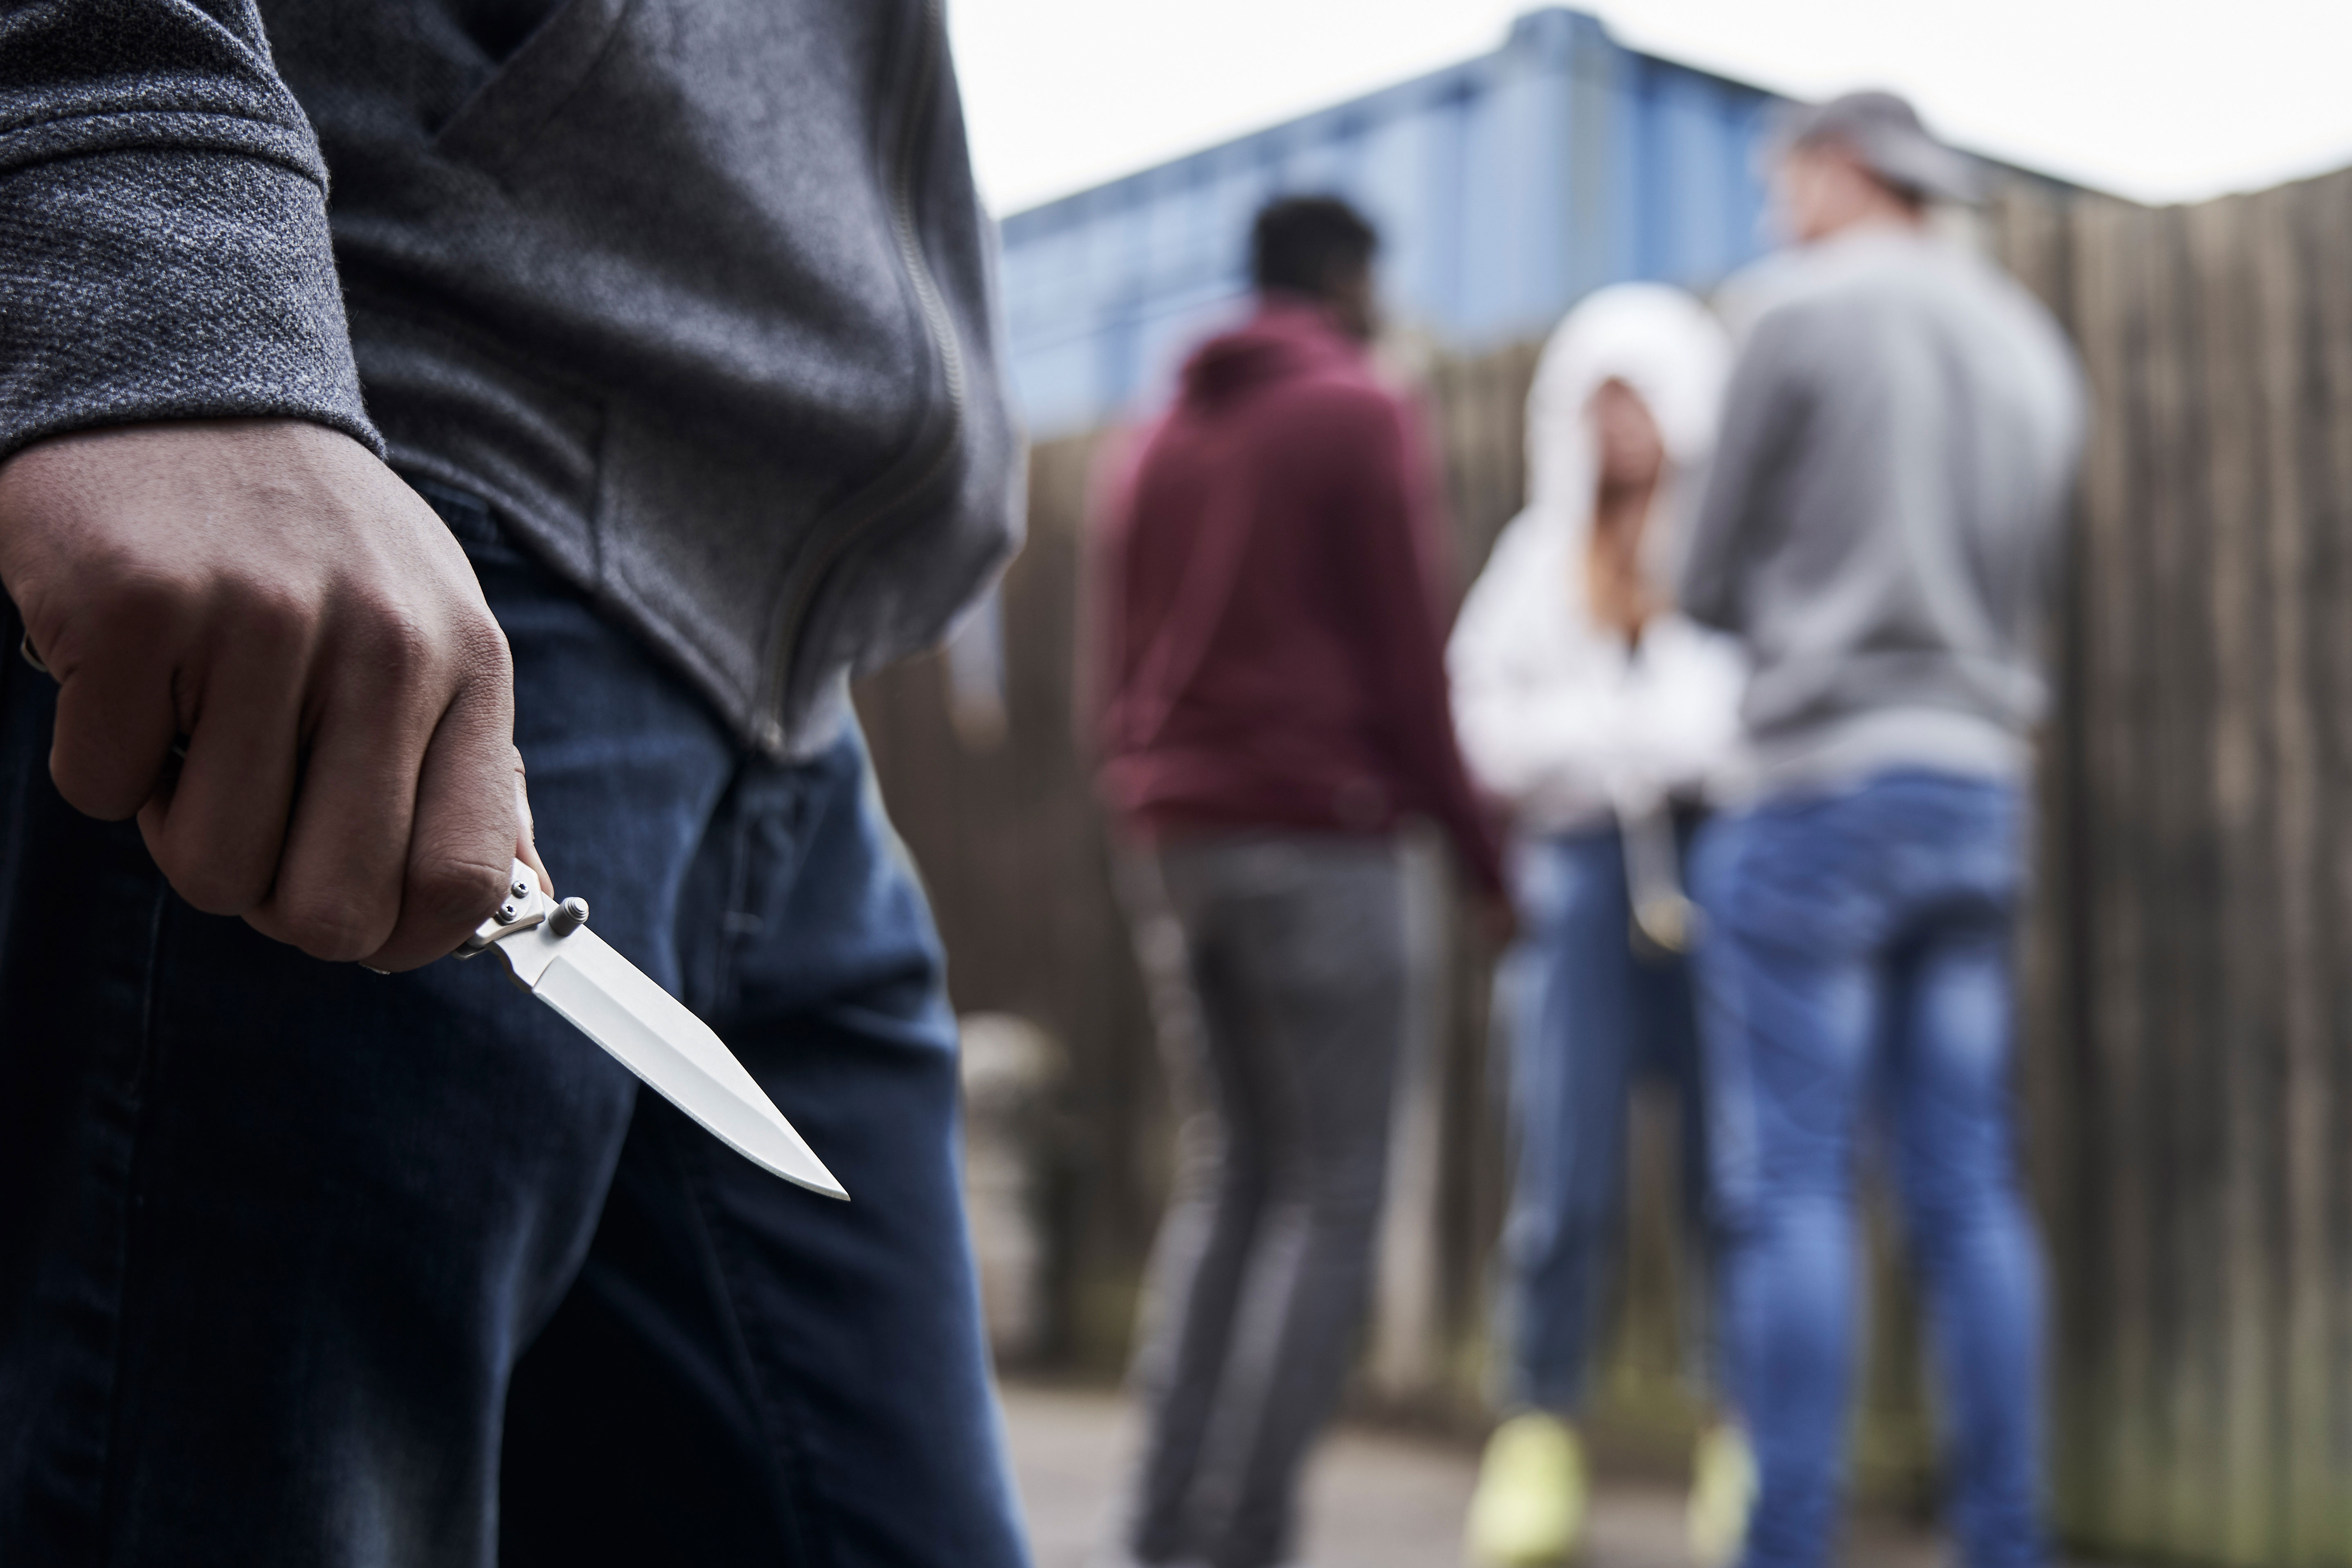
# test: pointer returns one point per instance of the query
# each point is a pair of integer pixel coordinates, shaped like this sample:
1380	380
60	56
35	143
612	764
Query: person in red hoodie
1274	708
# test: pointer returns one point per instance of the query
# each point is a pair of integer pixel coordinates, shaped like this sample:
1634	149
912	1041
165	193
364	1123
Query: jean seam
739	880
134	1177
783	1457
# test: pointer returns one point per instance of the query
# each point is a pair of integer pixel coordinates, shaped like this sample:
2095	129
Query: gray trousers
1278	970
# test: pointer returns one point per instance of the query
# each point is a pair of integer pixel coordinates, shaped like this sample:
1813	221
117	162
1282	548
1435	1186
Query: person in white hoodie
1604	719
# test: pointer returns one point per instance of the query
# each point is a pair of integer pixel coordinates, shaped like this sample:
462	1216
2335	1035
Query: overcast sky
2161	99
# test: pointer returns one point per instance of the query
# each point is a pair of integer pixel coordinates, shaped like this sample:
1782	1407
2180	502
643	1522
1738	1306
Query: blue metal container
1506	188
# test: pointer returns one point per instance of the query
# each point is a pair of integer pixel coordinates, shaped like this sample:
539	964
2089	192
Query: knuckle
334	931
333	910
395	643
95	788
273	615
456	894
123	603
97	772
480	648
211	887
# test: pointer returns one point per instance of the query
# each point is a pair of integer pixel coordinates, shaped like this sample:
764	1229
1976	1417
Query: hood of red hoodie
1285	340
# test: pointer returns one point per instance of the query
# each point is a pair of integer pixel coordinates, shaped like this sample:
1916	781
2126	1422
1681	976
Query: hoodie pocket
534	83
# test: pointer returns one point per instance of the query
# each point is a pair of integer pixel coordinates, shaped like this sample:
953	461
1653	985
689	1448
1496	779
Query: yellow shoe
1723	1492
1529	1509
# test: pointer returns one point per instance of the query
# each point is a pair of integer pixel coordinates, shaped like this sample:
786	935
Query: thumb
526	844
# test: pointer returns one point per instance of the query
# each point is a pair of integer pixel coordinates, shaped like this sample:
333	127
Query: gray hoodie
1898	448
696	293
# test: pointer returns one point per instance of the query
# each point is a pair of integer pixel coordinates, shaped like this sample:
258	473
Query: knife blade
547	950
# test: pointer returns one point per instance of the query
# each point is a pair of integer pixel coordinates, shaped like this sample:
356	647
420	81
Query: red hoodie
1273	649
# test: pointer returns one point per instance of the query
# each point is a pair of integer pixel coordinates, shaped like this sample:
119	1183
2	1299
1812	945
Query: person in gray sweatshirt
638	385
1898	448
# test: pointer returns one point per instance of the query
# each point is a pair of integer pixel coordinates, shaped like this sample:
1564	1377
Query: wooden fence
2190	1068
2188	1004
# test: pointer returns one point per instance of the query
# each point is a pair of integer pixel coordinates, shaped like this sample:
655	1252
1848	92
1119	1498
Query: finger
461	848
116	718
217	830
337	893
526	832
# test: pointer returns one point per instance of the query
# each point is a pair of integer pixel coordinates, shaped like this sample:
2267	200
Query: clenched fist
267	594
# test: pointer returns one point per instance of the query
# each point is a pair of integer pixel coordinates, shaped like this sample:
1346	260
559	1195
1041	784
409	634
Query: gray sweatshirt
1897	449
696	293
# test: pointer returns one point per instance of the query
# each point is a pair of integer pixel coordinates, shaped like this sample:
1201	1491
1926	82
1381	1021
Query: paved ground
1374	1500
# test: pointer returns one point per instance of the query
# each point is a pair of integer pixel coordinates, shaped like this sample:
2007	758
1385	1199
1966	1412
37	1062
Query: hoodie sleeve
1533	724
1763	410
1388	504
163	247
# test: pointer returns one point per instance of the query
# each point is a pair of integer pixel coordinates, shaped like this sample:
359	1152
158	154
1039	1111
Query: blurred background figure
1897	444
1275	706
1602	717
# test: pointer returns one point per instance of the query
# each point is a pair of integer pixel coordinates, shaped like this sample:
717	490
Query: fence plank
2328	417
2242	774
2114	247
2296	1105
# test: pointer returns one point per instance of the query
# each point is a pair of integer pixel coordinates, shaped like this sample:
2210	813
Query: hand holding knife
547	950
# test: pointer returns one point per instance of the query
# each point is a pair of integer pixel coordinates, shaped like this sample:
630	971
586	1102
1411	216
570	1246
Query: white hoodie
1557	715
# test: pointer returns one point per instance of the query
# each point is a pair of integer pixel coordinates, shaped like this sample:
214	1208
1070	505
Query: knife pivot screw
569	916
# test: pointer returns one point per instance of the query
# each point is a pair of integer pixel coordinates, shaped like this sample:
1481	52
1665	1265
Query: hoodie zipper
843	533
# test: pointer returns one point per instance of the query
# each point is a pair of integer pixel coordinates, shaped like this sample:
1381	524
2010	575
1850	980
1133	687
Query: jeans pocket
470	522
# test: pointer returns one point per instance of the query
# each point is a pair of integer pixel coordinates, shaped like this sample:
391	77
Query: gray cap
1884	131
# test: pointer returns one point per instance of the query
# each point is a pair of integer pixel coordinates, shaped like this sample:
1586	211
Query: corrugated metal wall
1506	187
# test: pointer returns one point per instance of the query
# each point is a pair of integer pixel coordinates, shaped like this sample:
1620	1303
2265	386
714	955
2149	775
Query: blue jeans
302	1266
1857	952
1588	1015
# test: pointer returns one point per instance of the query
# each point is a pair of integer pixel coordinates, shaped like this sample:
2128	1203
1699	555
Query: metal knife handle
525	908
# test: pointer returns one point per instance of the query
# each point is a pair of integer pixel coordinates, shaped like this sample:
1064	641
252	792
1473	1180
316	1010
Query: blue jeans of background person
1588	1013
1856	953
302	1266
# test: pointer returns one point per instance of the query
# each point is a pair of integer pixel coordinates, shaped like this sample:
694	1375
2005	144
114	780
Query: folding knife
549	950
